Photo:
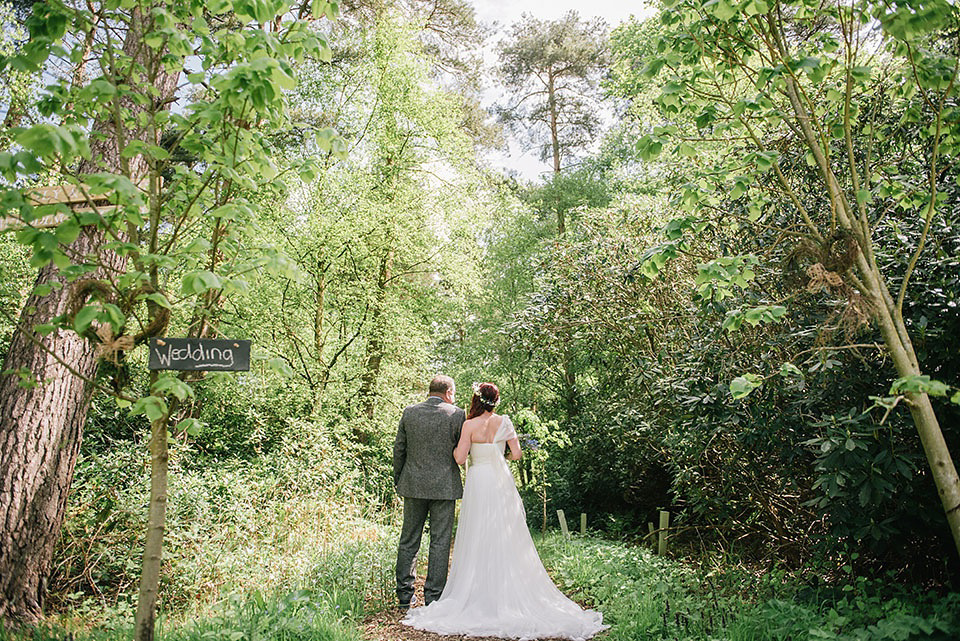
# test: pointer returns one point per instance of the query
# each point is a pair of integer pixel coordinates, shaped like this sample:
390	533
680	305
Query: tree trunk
555	145
41	425
153	546
570	384
375	345
928	427
894	331
319	334
40	432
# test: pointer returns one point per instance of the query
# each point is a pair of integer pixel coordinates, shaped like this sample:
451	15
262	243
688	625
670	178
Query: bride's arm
463	447
515	451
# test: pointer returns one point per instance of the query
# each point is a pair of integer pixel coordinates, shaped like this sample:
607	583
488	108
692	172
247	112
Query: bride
497	585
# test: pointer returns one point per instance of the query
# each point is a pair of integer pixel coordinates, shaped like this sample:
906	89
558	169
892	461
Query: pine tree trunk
40	431
41	425
555	144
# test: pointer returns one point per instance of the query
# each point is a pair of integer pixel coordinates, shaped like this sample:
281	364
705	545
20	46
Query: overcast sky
503	13
508	11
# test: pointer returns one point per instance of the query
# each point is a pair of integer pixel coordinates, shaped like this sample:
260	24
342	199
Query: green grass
249	555
233	527
644	597
344	581
302	615
282	549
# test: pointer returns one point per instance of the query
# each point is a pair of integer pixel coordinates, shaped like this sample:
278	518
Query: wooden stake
583	523
664	524
563	524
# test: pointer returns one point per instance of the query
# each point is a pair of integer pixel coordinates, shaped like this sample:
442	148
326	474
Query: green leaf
154	408
721	9
44	329
200	281
154	40
115	316
649	147
84	318
169	384
198	246
159	299
688	150
38	139
766	159
764	314
280	366
921	384
68	231
733	321
61	260
191	426
282	78
742	386
788	370
861	74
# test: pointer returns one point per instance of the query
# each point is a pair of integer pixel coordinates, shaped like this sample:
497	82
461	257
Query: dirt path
386	626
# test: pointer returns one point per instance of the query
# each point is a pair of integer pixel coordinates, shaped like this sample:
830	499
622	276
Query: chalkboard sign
200	354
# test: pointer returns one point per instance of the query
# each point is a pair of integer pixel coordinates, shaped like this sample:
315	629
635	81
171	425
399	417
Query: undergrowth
301	615
234	526
281	547
646	597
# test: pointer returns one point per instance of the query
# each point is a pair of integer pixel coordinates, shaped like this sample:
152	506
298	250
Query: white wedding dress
497	585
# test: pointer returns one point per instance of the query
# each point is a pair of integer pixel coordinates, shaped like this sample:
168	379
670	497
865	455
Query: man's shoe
407	606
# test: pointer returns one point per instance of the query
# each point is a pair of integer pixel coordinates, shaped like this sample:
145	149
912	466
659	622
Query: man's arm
459	417
399	451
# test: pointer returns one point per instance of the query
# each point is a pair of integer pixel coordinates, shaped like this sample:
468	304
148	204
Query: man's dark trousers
415	513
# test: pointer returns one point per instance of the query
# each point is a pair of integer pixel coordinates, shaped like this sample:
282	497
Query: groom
428	479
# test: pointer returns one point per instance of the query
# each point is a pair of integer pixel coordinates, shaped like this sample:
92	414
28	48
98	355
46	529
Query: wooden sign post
74	197
200	354
77	198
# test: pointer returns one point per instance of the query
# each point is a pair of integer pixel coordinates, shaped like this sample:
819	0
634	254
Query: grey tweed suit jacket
423	465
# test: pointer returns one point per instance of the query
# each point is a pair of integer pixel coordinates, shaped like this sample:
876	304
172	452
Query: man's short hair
441	384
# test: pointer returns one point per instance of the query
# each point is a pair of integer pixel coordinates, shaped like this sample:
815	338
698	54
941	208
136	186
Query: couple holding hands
497	585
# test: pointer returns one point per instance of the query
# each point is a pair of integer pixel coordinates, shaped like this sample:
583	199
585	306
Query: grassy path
649	598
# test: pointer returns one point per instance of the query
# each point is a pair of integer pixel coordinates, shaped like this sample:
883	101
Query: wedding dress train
497	585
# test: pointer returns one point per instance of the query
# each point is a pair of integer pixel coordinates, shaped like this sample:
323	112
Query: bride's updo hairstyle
485	398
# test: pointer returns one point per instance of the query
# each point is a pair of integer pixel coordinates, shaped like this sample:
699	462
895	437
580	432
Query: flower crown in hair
484	400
